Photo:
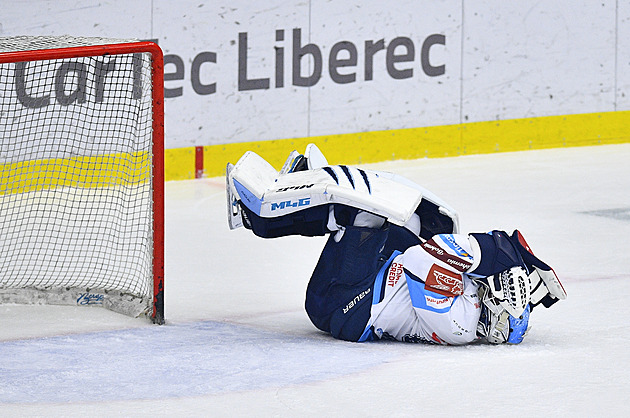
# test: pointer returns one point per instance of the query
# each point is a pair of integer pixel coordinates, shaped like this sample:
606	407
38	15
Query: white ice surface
238	343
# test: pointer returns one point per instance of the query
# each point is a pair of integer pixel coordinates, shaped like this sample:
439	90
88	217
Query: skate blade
288	164
234	217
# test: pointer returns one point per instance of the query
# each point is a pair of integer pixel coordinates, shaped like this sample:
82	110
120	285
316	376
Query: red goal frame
157	91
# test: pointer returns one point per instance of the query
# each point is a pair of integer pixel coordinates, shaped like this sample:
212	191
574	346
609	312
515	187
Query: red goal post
82	173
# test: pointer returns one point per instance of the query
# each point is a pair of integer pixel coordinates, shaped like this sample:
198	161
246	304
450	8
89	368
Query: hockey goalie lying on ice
395	265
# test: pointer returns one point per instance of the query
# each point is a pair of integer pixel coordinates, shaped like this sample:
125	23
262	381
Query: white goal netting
76	189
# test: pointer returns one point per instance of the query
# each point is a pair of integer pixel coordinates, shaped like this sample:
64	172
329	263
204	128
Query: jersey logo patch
450	241
438	252
439	304
444	282
394	274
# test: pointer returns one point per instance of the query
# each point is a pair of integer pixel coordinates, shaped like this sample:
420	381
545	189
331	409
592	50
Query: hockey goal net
81	173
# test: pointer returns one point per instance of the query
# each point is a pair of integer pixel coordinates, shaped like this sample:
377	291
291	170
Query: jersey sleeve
443	297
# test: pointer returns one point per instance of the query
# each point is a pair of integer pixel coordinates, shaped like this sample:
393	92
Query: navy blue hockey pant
339	294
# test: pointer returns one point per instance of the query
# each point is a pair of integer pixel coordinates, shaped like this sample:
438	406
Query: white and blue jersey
425	295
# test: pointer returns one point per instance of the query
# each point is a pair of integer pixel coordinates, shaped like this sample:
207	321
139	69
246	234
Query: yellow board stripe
85	172
429	142
179	164
356	148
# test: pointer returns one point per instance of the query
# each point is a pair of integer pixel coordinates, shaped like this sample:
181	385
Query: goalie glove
545	287
496	325
510	289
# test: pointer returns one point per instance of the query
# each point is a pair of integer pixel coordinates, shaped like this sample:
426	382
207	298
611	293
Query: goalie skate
312	159
235	218
289	164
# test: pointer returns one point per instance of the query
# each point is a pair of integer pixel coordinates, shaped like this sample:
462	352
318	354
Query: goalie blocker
385	227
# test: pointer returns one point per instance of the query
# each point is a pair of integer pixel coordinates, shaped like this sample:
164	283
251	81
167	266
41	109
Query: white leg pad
443	207
269	194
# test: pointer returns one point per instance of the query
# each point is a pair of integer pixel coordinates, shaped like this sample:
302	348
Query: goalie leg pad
434	220
310	222
319	221
269	194
436	215
315	221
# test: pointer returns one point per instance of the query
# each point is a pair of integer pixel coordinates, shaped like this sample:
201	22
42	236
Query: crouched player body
395	265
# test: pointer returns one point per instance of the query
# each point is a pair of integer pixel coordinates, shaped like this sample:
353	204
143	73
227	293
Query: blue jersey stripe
378	293
379	288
